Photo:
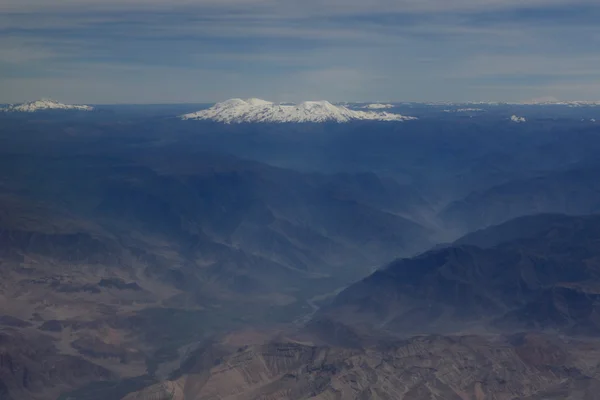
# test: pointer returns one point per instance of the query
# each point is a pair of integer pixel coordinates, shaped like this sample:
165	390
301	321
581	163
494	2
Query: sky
197	51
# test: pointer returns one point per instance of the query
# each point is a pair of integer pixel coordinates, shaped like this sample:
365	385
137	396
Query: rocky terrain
32	367
510	312
461	367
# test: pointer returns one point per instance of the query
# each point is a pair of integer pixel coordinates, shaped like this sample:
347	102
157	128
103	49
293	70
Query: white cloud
290	7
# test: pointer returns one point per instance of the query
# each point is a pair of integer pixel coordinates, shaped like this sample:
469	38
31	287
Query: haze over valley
255	250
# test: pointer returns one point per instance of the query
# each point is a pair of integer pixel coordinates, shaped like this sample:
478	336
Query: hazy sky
155	51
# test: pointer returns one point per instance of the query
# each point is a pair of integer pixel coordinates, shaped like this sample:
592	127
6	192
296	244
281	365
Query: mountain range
574	191
44	105
537	272
261	111
378	106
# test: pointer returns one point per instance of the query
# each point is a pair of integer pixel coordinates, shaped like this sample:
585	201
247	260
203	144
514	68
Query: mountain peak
260	111
44	104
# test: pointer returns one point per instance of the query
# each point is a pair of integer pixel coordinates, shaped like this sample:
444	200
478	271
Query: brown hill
422	368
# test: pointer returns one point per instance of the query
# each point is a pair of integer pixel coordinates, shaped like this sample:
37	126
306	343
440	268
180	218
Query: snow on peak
378	106
257	110
462	110
258	102
542	100
517	119
44	104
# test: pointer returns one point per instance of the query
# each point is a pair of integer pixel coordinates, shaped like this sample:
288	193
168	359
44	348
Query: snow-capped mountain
518	119
256	110
378	106
44	105
460	110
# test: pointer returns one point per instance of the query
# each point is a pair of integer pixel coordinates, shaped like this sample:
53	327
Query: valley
153	258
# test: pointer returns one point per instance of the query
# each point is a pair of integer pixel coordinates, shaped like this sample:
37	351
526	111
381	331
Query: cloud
487	65
310	7
19	51
202	50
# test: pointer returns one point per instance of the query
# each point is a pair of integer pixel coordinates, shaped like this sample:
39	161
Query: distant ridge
539	102
43	105
378	106
261	111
